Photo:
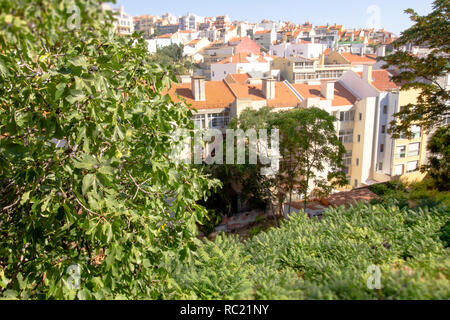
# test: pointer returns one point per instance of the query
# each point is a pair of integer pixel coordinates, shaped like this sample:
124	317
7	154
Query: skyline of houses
283	66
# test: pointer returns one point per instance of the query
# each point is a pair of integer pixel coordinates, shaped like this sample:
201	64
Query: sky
351	13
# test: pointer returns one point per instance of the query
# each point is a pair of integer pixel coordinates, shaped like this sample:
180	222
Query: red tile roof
263	32
381	80
217	95
342	97
357	59
284	97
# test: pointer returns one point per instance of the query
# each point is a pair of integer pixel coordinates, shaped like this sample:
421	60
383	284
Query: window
357	161
359	138
347	116
412	166
400	152
360	116
398	170
218	120
381	147
380	166
383	129
413	149
385	109
347	161
356	183
199	121
346	136
416	131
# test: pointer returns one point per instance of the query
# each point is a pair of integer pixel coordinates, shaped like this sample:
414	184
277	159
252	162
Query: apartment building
162	27
388	158
241	63
356	61
304	49
145	24
190	22
301	70
195	46
222	21
216	102
124	23
220	50
265	38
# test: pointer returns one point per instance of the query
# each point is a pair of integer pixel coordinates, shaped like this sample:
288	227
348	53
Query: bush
328	259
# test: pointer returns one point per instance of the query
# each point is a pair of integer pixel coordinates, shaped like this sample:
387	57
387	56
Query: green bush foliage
328	259
107	198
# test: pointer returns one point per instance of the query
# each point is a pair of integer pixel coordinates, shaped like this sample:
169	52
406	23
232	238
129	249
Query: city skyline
391	14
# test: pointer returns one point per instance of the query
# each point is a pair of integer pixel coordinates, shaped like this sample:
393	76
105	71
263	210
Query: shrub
327	259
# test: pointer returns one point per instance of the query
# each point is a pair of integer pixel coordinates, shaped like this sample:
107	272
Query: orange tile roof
381	80
284	97
263	32
240	78
194	42
342	97
165	36
357	59
217	95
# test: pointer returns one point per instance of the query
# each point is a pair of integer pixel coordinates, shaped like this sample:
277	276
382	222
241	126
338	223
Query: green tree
439	160
424	73
311	153
85	174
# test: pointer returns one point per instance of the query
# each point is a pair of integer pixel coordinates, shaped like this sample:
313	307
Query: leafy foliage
328	259
439	160
86	178
424	72
171	58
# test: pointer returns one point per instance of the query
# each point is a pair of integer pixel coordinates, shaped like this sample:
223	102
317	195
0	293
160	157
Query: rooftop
381	80
342	97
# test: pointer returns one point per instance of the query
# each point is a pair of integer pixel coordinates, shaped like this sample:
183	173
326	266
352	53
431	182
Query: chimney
198	87
367	73
322	60
327	89
268	88
381	51
363	49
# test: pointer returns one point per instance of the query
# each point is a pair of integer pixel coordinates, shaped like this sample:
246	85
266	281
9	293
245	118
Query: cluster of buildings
285	66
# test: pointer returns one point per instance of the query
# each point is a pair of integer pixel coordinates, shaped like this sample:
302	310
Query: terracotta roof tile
357	59
381	80
342	97
284	97
217	95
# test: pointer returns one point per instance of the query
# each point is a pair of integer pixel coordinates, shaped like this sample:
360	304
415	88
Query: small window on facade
380	166
383	129
385	109
356	182
357	161
359	138
360	116
381	147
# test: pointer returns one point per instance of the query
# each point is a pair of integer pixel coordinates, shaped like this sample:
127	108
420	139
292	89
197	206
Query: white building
190	22
241	63
302	49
